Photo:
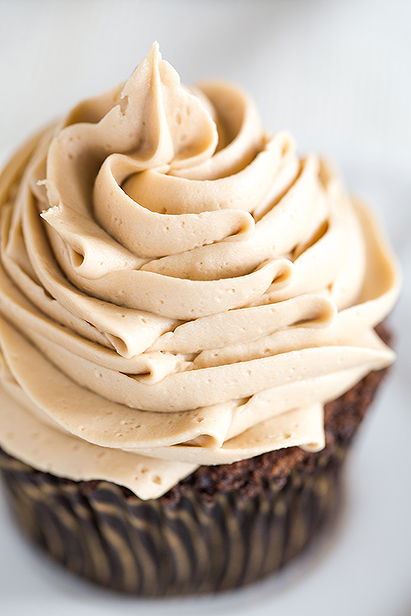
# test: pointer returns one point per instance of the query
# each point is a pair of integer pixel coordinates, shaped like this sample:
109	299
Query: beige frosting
177	287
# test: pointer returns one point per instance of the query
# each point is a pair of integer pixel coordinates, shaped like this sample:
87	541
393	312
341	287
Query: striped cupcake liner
162	547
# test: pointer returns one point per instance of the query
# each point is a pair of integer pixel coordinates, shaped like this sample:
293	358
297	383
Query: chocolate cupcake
188	337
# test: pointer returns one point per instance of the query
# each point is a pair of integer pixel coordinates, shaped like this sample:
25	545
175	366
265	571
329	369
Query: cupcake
191	331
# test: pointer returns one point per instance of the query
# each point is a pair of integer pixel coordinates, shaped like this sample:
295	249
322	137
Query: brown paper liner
157	547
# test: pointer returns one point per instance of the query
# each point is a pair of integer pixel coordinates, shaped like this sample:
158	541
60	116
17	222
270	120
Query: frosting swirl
177	287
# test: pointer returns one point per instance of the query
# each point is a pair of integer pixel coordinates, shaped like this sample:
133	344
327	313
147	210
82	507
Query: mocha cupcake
188	337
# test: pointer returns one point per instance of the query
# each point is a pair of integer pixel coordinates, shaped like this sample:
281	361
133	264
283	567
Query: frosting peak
177	287
169	125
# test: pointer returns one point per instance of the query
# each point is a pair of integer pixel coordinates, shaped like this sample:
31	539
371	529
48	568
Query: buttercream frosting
178	287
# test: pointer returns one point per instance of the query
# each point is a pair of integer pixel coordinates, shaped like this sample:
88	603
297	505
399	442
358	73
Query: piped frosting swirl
177	287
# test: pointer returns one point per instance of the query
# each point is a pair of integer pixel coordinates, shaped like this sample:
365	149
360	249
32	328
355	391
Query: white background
337	74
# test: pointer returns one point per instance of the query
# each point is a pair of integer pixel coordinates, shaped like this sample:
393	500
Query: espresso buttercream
178	287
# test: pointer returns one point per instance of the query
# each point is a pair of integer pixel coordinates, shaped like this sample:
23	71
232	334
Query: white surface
337	74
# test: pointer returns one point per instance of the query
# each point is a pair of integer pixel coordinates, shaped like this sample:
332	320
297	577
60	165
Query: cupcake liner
161	547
